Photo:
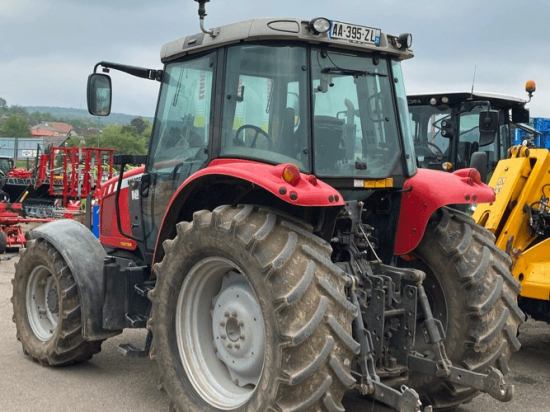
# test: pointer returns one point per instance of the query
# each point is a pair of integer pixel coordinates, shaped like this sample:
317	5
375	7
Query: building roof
51	129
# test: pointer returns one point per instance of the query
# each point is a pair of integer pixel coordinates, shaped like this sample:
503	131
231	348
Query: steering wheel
424	148
258	130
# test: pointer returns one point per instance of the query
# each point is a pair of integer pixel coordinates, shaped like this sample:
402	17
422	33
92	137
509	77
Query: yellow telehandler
520	220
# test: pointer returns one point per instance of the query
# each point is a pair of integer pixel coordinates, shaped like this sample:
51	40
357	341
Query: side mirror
520	115
479	161
488	126
99	94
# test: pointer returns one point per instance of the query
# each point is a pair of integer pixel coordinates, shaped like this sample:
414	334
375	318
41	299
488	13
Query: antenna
474	80
202	15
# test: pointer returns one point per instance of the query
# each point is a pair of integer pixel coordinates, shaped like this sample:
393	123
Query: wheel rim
42	303
220	333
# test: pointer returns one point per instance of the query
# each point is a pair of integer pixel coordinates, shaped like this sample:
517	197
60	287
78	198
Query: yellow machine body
520	220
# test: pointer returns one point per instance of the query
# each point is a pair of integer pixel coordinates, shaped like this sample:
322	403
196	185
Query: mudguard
426	192
84	255
305	191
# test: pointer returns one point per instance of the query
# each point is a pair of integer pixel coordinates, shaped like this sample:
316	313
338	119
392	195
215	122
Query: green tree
122	138
18	111
15	126
140	124
3	106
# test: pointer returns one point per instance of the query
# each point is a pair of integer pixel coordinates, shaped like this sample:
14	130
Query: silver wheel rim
220	333
42	303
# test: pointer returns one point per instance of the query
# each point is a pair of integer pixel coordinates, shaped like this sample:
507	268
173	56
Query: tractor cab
6	165
326	97
457	130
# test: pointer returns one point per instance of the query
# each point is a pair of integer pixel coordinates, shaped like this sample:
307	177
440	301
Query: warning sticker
500	184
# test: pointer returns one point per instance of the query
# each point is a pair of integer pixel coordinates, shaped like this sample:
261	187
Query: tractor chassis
387	297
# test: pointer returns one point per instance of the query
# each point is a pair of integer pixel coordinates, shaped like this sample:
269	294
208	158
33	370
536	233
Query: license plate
354	33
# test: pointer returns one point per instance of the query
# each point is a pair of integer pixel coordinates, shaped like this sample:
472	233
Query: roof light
433	101
405	41
445	99
319	25
291	174
530	87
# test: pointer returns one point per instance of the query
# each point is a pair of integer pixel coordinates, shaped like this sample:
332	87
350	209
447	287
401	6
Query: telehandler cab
456	130
279	243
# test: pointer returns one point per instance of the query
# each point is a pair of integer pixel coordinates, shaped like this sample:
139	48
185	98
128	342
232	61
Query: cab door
180	137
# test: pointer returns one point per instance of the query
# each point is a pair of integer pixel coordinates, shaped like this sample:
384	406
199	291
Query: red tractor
278	241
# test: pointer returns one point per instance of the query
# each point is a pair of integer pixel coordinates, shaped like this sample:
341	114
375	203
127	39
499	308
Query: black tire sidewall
203	244
35	347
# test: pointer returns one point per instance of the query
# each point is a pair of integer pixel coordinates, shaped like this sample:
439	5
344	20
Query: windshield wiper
351	72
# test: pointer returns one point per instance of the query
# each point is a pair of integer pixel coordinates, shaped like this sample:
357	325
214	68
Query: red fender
429	190
299	189
304	190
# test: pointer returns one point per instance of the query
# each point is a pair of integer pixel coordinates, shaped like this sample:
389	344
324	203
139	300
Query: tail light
291	174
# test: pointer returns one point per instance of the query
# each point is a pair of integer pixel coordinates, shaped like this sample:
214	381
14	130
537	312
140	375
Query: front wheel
473	294
249	314
46	308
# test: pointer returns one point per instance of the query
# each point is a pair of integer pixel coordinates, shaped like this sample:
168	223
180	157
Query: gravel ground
112	382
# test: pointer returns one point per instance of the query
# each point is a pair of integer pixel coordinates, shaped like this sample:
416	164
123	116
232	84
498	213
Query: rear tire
249	314
46	308
473	294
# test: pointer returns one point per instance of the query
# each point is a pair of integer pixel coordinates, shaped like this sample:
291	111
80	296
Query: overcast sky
49	47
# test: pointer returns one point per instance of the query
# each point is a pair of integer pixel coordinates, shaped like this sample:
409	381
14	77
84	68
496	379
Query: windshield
429	145
432	148
5	165
268	103
355	128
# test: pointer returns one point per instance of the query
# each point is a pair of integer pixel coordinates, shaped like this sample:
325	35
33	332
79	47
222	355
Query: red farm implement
55	189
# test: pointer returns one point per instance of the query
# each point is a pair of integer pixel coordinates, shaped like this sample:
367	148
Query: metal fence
21	148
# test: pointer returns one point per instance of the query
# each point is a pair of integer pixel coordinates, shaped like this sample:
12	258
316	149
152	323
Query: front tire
473	294
46	308
249	314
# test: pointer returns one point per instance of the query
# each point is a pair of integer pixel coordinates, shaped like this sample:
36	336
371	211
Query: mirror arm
142	72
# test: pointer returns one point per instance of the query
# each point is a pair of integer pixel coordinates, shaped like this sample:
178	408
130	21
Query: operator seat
328	133
288	144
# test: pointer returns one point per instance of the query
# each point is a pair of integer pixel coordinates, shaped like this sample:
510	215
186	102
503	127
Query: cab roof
272	29
455	98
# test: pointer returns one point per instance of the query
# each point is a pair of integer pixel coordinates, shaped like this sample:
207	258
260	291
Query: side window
182	124
181	132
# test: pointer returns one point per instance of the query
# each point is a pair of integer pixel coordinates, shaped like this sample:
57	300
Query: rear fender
426	192
307	191
85	257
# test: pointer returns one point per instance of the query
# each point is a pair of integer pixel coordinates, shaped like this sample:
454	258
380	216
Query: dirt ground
112	382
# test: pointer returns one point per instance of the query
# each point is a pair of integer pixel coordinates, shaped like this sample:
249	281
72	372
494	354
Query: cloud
52	46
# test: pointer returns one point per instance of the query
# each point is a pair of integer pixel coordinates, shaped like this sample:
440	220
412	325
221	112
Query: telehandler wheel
473	294
46	308
249	314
